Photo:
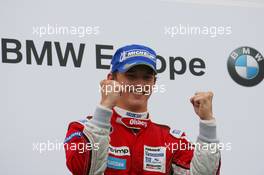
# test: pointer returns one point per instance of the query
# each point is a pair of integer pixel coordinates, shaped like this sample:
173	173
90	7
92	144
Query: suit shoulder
176	133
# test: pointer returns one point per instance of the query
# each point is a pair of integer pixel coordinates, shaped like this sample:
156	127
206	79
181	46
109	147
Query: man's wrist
209	121
106	105
208	131
102	117
207	117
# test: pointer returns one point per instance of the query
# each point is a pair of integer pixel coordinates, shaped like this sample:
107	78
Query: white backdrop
38	101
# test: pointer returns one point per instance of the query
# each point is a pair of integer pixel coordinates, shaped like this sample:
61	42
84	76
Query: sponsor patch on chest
119	151
155	159
116	163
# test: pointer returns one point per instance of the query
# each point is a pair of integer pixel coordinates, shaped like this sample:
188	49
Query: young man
121	137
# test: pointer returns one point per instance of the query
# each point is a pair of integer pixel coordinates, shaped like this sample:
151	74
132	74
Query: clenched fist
202	103
110	92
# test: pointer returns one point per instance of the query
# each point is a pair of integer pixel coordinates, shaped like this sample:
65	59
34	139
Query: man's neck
137	109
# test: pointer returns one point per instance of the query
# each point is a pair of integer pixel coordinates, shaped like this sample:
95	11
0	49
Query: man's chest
143	152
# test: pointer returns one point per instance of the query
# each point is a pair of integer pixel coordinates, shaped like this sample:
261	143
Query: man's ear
110	76
155	79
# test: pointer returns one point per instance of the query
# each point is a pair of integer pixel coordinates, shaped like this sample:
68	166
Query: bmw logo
246	66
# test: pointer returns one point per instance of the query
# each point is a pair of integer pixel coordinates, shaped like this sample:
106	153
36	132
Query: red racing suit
134	146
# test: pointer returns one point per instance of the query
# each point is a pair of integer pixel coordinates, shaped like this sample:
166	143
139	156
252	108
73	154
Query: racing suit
133	146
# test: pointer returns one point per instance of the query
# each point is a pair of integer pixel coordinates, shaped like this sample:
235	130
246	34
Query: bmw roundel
246	66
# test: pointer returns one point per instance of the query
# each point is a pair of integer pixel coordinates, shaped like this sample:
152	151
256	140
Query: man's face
137	83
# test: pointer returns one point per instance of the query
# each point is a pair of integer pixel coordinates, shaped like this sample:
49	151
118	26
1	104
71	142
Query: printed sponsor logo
119	151
176	133
136	122
136	53
155	159
75	134
246	66
134	115
116	163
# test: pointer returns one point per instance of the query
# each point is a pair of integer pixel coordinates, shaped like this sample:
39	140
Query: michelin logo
137	53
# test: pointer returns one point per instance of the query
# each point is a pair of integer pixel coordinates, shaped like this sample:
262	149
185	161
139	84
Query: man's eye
147	77
131	76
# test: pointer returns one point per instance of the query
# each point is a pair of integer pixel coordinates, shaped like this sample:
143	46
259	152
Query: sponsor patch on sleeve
177	133
73	135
